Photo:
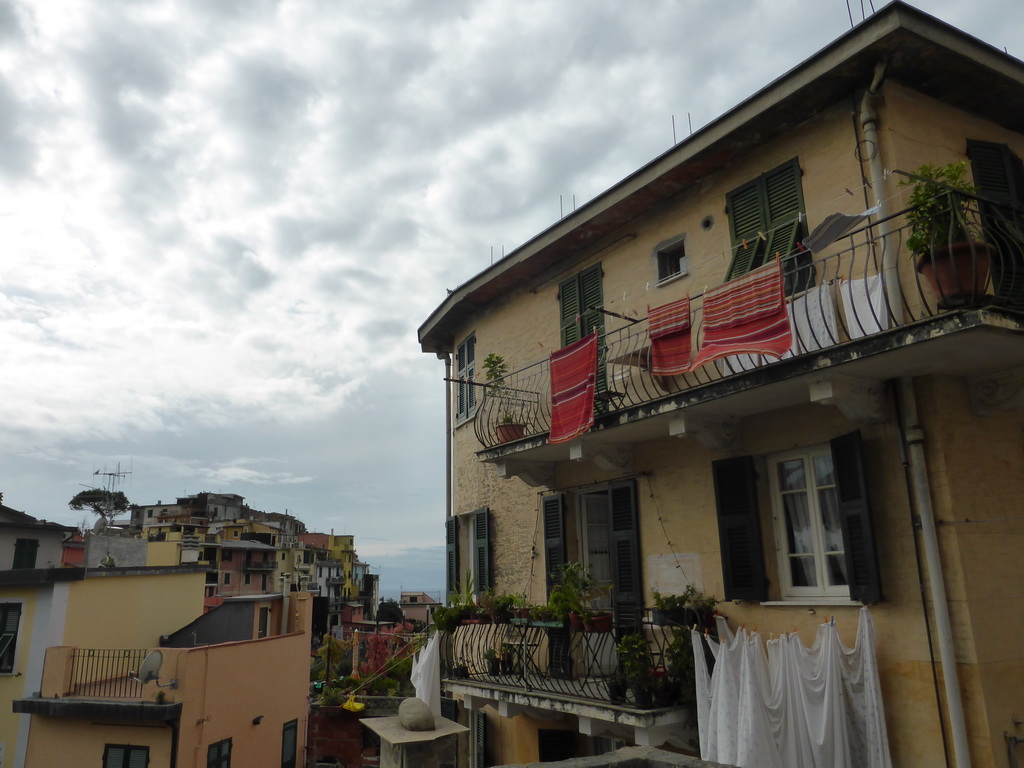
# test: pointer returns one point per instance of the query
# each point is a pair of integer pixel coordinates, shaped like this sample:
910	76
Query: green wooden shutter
999	174
480	738
569	297
553	511
770	205
855	518
466	371
625	548
451	537
739	528
450	709
747	218
482	549
138	757
25	553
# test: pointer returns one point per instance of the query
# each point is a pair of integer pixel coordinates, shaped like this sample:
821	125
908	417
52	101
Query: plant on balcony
690	608
520	608
511	658
945	233
575	599
637	666
493	662
459	669
618	686
507	428
446	619
497	607
678	658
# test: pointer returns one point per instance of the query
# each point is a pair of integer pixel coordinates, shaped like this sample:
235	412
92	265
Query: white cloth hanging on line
817	707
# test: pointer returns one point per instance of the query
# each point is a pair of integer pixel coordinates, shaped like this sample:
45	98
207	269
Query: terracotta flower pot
957	273
509	432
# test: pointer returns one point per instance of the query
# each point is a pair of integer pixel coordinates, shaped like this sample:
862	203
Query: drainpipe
914	436
873	147
174	743
447	432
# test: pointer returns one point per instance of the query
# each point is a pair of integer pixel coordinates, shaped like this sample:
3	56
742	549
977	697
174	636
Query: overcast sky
221	223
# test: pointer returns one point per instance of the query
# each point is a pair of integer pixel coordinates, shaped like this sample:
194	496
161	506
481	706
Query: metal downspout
871	145
914	437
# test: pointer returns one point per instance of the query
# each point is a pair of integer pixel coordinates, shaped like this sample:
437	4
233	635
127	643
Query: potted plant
678	657
511	659
690	608
637	666
507	428
493	662
945	234
617	688
459	669
446	619
575	599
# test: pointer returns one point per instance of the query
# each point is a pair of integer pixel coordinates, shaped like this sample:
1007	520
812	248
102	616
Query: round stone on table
415	715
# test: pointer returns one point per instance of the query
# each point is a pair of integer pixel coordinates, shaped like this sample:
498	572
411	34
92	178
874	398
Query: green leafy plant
690	607
678	658
941	212
446	619
576	593
497	369
637	665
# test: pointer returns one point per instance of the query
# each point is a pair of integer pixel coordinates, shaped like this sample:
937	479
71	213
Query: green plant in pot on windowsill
945	234
508	428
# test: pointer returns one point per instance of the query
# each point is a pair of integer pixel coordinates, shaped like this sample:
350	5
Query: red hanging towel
746	316
669	329
573	380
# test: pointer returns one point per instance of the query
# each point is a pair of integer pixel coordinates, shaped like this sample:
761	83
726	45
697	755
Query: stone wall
336	736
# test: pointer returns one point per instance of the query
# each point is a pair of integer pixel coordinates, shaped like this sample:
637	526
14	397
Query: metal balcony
844	296
260	565
547	659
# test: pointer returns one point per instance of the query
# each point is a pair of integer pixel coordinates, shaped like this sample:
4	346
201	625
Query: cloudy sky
222	221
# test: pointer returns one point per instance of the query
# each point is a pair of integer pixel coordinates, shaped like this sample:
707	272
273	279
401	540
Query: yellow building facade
898	398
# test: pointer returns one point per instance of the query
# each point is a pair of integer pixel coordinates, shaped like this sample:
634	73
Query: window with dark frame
125	756
25	553
671	257
289	741
218	754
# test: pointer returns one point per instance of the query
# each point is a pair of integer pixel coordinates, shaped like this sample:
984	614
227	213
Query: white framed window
670	258
808	530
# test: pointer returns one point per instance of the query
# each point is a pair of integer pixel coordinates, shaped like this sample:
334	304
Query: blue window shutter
482	549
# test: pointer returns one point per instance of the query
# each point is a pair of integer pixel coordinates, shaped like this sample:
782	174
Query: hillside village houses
216	598
726	374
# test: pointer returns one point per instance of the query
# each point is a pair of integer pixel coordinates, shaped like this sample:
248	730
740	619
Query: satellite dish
150	669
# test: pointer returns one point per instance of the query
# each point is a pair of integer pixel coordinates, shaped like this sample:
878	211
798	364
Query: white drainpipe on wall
914	437
872	147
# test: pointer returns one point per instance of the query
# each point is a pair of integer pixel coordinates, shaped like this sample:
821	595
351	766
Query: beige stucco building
903	400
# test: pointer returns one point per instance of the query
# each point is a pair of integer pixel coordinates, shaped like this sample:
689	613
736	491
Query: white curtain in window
797	707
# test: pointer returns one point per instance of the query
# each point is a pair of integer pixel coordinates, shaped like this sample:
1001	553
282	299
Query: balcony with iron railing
861	296
524	664
97	682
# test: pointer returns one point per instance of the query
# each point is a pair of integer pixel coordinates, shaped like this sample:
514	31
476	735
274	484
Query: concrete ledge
390	730
627	757
125	711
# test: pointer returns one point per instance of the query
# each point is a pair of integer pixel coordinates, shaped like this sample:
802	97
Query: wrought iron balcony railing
106	673
549	658
260	565
862	285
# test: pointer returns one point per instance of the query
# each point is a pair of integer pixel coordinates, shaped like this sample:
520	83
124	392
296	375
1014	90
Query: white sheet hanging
864	305
426	674
817	707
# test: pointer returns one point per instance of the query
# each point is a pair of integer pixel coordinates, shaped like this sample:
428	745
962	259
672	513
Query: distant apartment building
26	542
418	606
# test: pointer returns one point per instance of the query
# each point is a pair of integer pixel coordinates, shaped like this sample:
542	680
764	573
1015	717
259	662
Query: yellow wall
58	742
128	611
163	553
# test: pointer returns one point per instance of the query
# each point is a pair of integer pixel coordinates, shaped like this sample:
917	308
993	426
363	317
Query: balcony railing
844	294
260	565
106	673
547	658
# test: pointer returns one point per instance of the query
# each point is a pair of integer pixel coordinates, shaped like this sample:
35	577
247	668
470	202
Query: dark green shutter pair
25	553
125	756
579	297
765	222
999	175
480	738
739	526
625	548
481	552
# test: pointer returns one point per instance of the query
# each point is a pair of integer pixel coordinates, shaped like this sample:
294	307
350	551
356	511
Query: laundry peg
744	244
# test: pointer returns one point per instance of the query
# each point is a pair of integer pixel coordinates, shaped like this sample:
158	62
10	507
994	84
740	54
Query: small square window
671	258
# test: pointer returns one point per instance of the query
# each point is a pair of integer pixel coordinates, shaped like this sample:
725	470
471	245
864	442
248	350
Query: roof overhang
921	52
